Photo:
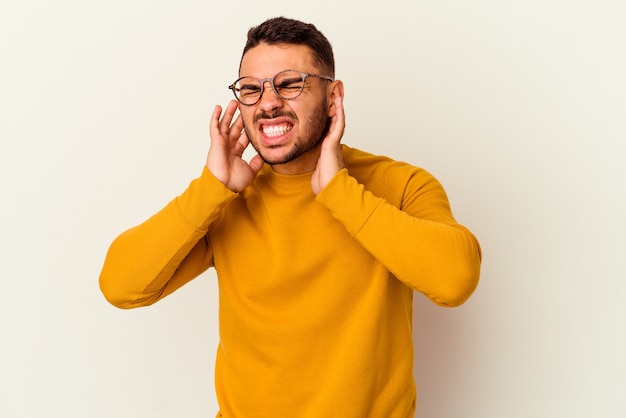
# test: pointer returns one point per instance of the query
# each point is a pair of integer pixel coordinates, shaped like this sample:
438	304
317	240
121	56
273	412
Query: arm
150	261
418	239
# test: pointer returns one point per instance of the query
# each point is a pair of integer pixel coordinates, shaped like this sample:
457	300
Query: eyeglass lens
287	84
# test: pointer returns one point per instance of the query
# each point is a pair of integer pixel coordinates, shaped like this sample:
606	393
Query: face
286	133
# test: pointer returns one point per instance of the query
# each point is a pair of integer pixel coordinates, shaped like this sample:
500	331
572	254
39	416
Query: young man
318	247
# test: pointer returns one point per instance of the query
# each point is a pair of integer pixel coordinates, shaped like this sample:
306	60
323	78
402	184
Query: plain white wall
518	107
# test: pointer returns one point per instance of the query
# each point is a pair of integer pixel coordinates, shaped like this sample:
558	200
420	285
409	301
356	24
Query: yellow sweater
315	291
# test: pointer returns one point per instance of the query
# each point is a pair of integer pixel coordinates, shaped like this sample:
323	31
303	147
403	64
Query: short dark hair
281	30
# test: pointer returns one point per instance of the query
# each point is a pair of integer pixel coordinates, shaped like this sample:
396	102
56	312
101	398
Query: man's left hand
331	159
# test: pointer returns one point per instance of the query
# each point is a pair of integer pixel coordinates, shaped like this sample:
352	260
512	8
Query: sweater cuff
203	201
348	201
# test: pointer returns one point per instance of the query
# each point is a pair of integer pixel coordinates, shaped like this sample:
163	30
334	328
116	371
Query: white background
518	107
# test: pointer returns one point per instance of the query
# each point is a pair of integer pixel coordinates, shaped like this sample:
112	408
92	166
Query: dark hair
281	30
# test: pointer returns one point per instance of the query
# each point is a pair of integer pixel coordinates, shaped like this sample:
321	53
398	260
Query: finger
337	125
242	143
340	116
215	121
227	119
236	128
256	163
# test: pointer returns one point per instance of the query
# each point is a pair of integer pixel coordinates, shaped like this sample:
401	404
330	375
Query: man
317	246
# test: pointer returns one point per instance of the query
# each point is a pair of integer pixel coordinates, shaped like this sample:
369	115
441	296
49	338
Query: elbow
113	296
463	278
459	286
115	293
119	286
457	296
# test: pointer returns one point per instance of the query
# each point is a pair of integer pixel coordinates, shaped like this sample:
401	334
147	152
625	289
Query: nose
269	100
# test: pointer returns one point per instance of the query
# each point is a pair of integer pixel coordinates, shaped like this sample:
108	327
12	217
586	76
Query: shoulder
399	182
370	168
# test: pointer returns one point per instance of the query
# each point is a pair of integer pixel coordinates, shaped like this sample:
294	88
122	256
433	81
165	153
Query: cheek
247	118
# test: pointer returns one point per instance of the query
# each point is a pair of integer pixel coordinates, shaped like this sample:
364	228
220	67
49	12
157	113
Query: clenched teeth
276	130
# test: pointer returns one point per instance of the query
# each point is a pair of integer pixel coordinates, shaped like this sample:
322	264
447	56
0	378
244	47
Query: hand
331	159
228	142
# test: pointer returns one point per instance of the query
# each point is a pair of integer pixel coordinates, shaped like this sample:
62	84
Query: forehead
265	60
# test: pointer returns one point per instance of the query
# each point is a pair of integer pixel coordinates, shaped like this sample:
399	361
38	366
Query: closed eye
249	90
290	83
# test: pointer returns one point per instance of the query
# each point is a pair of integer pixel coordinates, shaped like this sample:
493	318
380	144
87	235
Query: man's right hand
228	142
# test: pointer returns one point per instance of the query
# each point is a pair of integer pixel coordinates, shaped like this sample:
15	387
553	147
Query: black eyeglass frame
271	80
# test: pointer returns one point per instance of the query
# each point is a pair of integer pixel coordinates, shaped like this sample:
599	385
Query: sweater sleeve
153	259
418	241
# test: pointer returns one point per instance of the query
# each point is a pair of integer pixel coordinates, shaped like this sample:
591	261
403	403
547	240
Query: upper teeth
276	130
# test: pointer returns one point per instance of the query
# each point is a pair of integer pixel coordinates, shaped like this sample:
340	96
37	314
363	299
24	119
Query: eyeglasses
287	84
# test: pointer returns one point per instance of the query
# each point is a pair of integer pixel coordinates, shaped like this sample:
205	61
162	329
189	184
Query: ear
336	90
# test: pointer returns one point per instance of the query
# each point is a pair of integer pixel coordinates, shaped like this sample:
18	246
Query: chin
275	158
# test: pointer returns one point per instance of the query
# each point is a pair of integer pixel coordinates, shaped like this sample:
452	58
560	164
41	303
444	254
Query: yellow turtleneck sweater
315	291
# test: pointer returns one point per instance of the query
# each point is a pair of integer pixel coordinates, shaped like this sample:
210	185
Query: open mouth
274	131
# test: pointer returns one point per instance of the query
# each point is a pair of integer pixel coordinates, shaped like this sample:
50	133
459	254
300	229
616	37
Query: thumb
256	163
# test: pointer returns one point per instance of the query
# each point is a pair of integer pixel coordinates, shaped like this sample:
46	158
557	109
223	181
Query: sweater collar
286	181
